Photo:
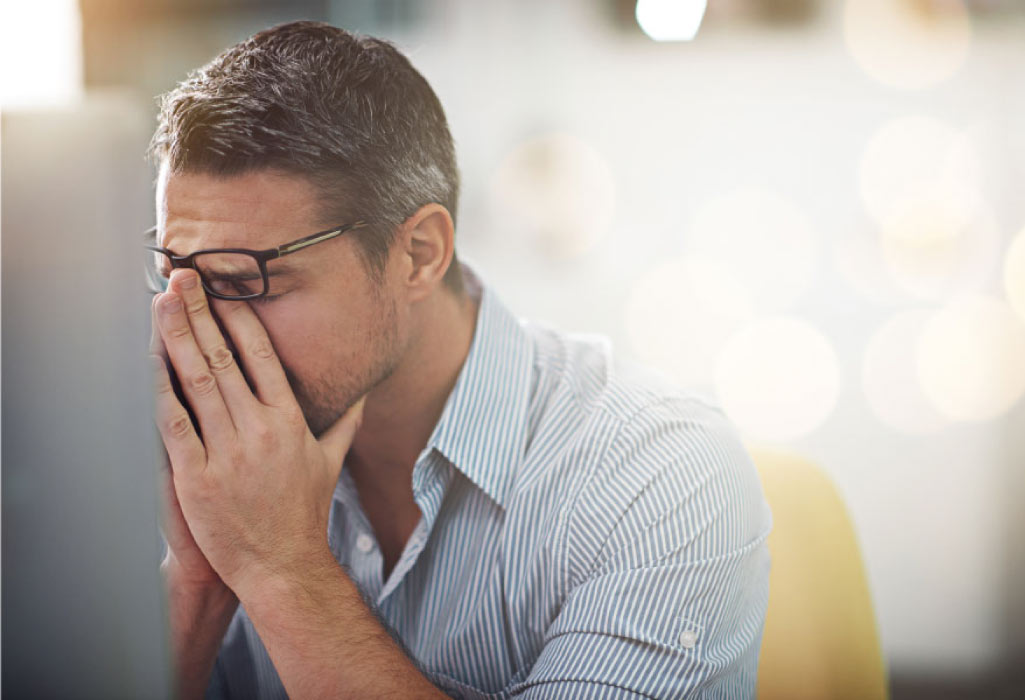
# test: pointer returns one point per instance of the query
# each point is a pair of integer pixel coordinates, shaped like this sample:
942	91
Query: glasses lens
158	267
230	274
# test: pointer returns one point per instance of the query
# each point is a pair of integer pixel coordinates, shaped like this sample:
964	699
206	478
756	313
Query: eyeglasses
235	274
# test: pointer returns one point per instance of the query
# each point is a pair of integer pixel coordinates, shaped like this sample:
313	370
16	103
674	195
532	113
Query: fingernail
172	305
187	281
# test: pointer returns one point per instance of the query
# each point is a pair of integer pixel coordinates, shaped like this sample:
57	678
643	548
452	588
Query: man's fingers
181	442
170	508
337	439
261	362
156	343
198	382
234	389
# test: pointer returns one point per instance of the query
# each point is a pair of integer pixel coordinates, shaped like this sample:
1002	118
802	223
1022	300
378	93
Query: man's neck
400	414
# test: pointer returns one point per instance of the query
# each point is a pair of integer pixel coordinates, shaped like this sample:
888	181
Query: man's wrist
265	585
321	634
177	578
200	610
194	602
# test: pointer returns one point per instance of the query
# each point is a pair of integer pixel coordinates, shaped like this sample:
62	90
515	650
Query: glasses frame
261	256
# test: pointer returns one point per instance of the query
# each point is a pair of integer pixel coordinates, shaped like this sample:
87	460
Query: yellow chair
820	637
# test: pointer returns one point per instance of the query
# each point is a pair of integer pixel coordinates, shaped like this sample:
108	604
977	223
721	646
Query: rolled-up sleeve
666	549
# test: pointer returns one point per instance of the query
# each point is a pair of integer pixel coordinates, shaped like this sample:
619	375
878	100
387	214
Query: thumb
337	439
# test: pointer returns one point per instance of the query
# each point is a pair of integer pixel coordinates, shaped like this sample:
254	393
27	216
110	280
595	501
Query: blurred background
811	210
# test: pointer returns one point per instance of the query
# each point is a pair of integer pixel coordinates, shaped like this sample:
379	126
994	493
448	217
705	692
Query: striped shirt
587	531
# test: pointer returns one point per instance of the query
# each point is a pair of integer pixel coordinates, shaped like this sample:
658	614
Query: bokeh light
971	358
680	314
917	157
858	259
558	190
908	44
889	376
778	378
768	241
670	20
40	53
932	250
1014	274
920	179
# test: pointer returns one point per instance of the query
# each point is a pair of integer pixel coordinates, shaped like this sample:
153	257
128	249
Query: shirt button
364	542
688	638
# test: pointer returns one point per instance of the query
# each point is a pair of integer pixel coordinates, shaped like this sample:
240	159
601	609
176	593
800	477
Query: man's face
336	330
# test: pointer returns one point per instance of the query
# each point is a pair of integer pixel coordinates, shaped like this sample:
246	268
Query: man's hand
255	493
185	564
256	490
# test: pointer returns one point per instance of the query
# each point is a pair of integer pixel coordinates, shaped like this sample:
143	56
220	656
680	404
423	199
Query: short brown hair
347	112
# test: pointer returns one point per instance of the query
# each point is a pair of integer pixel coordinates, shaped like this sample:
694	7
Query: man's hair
349	113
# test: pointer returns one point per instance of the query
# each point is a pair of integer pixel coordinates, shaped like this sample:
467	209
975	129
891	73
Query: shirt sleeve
242	668
667	551
217	689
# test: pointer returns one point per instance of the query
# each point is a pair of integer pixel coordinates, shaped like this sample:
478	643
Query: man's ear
428	246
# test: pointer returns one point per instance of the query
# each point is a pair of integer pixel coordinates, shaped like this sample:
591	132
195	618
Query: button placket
430	482
351	532
364	542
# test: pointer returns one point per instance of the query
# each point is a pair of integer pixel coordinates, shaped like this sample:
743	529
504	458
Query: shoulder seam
659	402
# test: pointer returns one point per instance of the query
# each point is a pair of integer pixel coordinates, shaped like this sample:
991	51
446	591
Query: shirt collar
483	427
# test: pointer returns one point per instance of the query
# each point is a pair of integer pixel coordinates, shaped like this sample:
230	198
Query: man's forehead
260	209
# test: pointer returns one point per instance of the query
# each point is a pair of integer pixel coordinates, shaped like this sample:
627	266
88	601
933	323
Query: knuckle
179	426
227	308
179	332
264	436
194	308
236	454
202	382
261	348
294	417
219	358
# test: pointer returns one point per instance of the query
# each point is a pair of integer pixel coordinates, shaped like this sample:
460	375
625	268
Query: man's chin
318	417
319	420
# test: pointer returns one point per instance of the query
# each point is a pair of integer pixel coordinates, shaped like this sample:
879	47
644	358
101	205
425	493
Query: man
506	513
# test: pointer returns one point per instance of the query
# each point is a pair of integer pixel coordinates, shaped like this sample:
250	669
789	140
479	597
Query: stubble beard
326	399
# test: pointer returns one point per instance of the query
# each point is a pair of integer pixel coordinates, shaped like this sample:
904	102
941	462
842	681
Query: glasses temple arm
317	238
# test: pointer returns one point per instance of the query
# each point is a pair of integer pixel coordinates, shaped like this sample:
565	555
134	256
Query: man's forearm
325	642
199	617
